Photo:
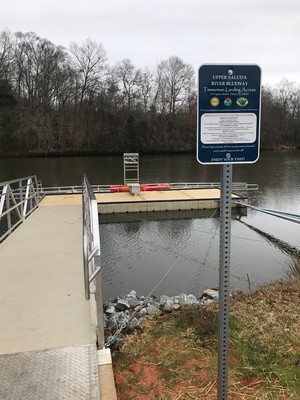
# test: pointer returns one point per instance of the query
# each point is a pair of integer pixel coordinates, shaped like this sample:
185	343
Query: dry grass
175	357
294	268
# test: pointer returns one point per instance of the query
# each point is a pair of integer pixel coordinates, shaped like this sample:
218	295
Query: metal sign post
228	133
224	280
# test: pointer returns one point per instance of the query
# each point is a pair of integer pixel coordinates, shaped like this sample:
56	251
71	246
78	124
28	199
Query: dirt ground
175	355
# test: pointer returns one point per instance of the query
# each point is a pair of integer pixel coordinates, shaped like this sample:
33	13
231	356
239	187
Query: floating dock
161	200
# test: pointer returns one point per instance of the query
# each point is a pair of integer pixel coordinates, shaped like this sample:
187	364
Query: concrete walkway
47	328
42	303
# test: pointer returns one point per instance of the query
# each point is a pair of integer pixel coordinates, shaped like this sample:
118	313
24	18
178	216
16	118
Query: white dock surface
42	302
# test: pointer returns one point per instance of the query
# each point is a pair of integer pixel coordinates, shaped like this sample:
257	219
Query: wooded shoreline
57	102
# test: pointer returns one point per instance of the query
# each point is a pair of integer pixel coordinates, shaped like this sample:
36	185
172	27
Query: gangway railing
73	189
275	213
19	198
92	256
236	186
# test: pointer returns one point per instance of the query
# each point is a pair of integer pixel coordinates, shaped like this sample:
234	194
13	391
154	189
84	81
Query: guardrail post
21	197
3	198
99	305
31	193
8	216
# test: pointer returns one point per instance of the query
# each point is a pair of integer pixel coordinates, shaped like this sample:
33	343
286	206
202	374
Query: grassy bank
175	355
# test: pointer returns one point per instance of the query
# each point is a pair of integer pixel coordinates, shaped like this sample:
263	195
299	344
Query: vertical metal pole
98	281
8	217
224	280
124	168
21	197
30	193
99	305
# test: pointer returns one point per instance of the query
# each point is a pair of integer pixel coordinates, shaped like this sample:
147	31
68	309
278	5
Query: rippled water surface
185	255
182	255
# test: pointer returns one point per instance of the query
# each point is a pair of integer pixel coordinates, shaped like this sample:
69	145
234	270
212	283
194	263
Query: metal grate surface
69	373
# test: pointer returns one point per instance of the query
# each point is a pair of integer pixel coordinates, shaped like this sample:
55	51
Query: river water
182	255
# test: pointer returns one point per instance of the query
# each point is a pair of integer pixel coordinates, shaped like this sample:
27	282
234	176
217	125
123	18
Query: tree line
59	101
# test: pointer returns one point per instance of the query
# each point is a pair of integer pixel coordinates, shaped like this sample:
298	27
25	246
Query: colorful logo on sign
242	101
214	101
227	102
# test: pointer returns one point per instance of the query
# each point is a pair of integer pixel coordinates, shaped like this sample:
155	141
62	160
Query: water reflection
147	249
137	251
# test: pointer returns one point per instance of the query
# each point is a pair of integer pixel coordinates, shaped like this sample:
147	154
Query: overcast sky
264	32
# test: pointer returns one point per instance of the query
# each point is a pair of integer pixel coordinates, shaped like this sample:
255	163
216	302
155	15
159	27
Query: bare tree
147	89
285	96
90	63
6	55
175	82
128	78
37	63
64	94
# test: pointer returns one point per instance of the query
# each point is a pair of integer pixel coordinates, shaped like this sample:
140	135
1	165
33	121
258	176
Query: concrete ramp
47	328
69	373
42	302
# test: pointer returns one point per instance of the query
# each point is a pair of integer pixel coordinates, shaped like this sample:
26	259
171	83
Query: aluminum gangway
51	334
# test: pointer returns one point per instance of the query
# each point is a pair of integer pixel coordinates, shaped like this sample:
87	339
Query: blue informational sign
228	114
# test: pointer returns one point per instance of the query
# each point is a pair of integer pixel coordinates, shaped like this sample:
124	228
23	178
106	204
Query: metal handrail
74	189
92	254
236	186
18	199
91	237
